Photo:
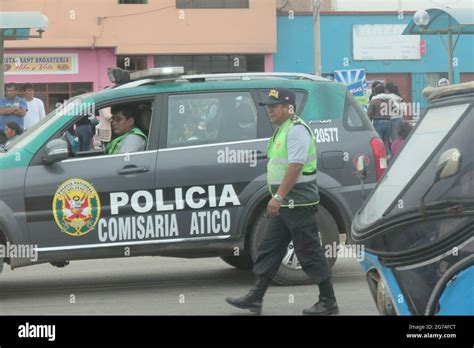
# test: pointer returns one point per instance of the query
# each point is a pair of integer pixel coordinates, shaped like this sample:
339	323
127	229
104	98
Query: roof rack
220	77
251	76
433	93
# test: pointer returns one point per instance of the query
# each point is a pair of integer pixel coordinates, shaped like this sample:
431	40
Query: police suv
197	190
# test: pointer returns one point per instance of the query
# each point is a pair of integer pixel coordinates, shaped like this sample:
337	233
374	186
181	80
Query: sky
393	5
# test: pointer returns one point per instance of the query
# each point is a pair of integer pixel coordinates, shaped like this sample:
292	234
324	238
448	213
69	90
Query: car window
426	138
92	129
46	122
354	119
208	118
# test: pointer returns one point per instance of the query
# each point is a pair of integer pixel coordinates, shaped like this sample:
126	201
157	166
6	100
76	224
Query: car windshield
44	123
432	130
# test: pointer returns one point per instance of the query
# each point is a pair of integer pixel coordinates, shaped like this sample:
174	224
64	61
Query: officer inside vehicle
128	137
291	177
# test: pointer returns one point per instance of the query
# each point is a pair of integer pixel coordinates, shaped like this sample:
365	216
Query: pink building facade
86	37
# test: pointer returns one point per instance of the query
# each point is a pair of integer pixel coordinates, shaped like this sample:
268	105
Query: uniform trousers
298	224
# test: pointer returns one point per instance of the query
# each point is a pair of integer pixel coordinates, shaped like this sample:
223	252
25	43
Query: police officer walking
292	210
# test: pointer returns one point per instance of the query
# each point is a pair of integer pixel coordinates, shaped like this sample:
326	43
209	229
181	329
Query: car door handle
132	170
261	155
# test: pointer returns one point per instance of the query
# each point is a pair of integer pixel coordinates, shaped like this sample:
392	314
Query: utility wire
139	13
102	20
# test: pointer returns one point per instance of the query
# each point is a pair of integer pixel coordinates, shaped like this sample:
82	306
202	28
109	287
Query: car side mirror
448	164
56	150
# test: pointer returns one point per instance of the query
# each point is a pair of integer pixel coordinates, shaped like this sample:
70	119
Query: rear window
327	101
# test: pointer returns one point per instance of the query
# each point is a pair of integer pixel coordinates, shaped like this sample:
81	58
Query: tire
240	262
384	301
287	275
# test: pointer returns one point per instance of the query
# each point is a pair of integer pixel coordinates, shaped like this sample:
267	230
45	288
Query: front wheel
291	272
384	301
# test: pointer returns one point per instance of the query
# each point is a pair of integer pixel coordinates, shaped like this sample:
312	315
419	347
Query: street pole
317	39
2	89
450	56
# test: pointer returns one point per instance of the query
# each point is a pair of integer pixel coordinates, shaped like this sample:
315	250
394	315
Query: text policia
120	227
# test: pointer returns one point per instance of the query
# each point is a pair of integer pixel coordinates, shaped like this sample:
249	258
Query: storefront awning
17	25
459	20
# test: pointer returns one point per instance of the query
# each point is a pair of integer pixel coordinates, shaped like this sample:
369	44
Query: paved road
163	286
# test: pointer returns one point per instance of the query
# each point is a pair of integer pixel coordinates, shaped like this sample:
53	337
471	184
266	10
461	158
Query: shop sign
47	63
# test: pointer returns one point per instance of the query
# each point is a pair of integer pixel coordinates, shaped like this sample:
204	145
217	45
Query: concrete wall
75	23
295	47
295	51
303	5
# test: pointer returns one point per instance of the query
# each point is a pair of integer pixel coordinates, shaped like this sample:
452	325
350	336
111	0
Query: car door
212	159
88	202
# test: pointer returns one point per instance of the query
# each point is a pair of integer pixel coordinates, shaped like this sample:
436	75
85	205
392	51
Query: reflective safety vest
113	147
305	192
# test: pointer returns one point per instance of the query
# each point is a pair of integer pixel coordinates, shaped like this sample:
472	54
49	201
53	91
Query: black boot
327	301
254	299
325	306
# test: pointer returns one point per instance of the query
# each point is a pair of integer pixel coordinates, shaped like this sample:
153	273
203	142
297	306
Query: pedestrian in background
375	84
396	109
404	130
12	109
35	107
291	212
379	114
443	82
12	130
84	129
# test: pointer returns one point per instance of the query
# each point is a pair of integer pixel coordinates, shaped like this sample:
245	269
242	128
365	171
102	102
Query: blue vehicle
417	226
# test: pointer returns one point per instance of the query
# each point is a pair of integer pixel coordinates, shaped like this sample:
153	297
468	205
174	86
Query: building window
196	4
132	63
124	2
212	64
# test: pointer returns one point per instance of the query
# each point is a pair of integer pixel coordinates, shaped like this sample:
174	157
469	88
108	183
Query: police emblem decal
76	207
273	93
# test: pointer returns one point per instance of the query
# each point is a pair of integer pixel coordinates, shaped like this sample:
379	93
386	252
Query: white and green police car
199	187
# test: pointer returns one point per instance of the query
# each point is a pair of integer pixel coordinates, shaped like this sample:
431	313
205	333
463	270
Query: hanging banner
356	83
46	63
